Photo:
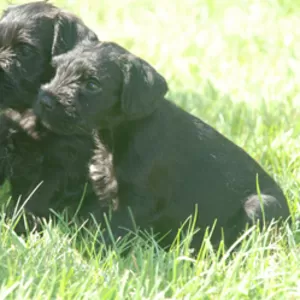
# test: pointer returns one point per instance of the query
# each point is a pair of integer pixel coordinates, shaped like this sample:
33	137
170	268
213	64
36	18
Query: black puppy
30	36
167	161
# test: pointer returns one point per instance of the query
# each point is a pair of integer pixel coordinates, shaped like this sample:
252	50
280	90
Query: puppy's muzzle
46	100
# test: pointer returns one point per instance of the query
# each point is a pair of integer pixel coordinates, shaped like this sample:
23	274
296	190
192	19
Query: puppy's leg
8	122
40	195
2	167
263	207
101	173
136	210
3	161
12	122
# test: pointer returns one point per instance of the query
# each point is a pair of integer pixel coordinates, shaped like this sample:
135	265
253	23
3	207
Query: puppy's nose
46	100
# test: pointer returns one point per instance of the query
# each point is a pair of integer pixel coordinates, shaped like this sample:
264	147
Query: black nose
47	100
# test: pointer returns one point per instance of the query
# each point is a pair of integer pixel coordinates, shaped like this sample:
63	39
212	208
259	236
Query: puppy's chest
23	148
24	137
68	154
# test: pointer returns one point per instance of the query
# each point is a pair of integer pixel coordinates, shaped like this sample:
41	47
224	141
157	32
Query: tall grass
236	65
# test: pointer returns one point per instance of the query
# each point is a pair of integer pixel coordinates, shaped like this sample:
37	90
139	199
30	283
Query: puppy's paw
104	183
29	123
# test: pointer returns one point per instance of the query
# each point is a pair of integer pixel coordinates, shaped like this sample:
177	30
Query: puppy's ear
143	87
68	32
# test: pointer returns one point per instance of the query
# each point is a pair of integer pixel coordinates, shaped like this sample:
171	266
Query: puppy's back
203	166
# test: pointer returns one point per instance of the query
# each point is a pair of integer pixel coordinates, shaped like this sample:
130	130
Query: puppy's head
99	87
30	35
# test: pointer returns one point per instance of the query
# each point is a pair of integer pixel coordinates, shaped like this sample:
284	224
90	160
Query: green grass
236	65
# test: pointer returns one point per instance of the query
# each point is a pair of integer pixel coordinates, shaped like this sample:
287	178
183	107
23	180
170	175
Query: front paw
29	124
28	223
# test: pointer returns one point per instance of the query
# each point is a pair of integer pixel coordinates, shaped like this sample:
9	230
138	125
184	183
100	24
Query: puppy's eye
92	85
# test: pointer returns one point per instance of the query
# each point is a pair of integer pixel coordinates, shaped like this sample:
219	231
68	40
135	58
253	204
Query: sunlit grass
236	65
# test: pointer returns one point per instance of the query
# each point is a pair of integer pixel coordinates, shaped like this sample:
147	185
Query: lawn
234	64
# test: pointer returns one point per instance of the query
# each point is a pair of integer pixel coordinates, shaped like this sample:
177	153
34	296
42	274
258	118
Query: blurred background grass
236	65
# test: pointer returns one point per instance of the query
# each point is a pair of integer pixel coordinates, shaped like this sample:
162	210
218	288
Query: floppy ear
143	87
68	32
